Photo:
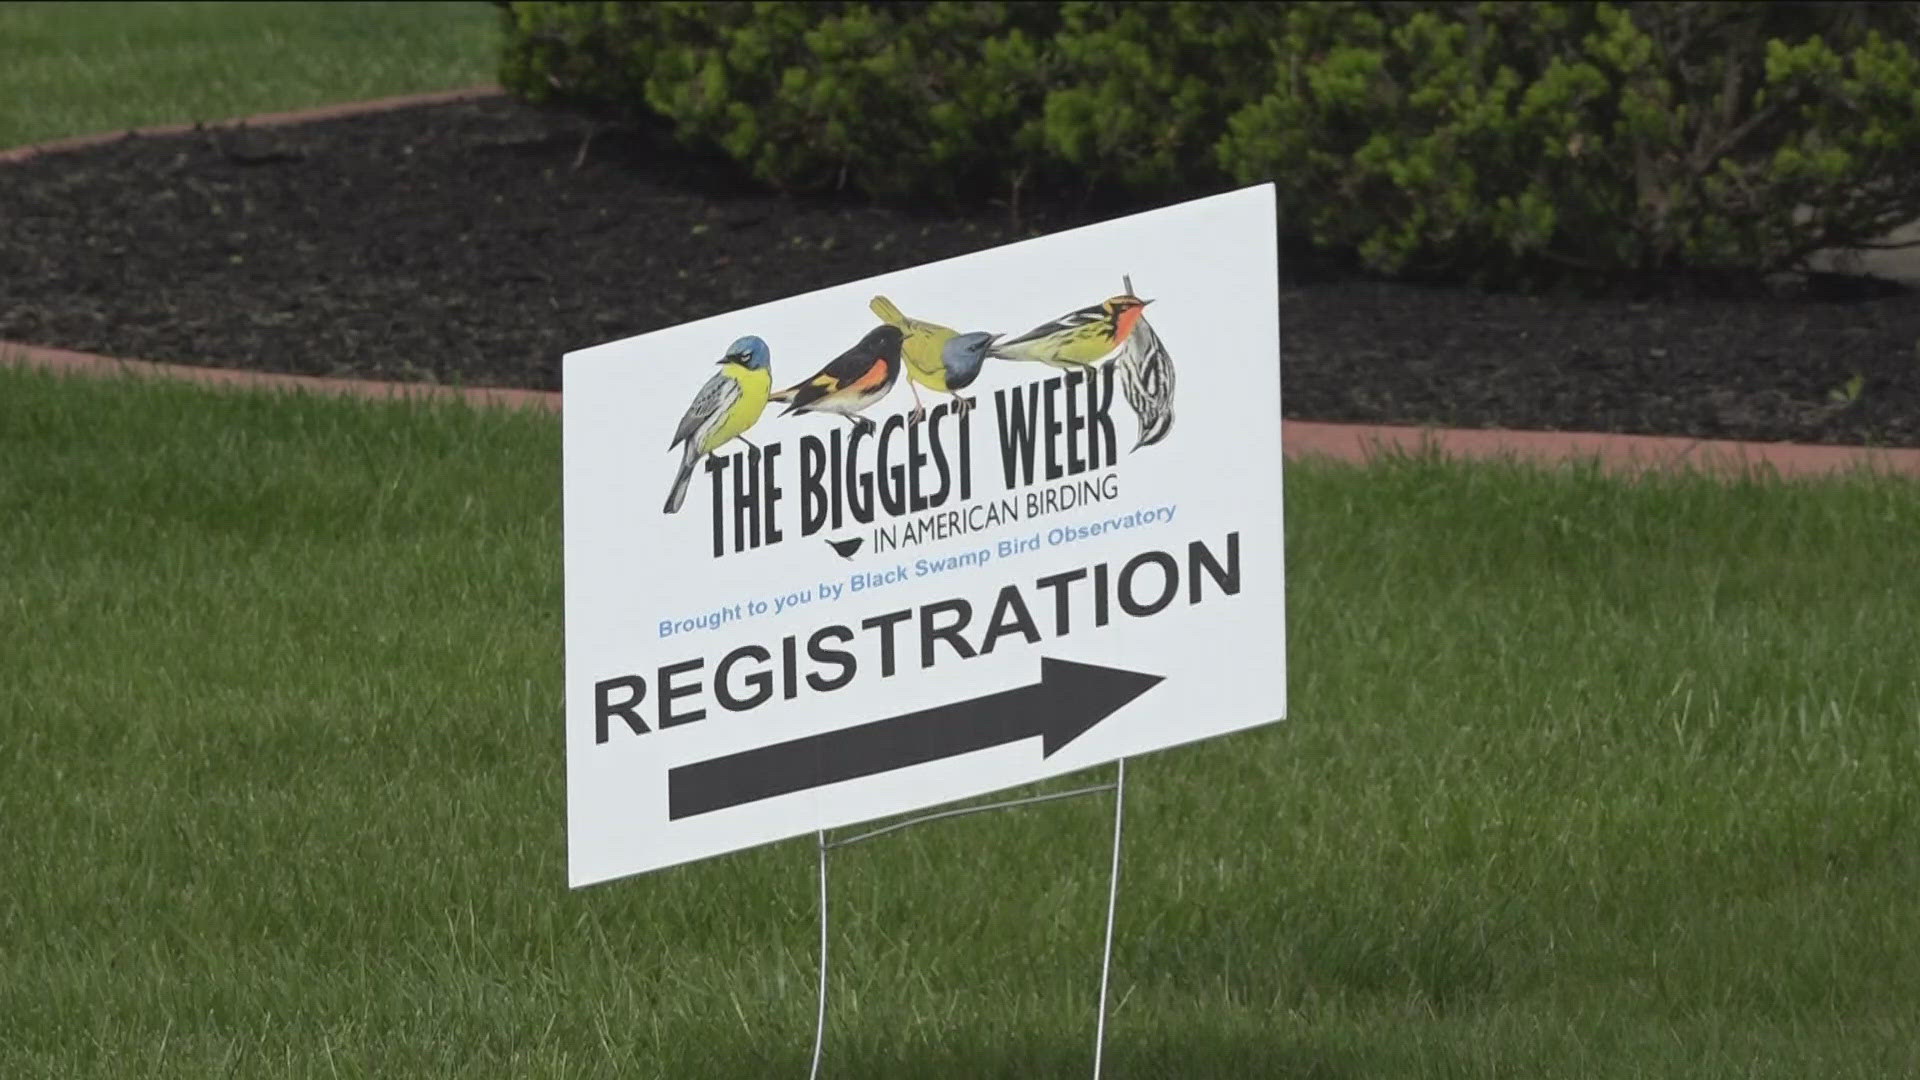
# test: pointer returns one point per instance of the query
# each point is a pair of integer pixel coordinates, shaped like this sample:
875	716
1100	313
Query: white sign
935	533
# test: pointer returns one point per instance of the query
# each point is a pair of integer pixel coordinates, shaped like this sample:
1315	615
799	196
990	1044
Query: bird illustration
723	410
1146	378
936	357
1079	338
851	381
846	548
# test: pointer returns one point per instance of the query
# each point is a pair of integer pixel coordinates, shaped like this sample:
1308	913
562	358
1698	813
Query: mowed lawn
1585	777
78	68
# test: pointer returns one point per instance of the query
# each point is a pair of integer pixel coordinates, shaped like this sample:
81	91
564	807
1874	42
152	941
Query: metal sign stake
1118	787
820	1023
1113	899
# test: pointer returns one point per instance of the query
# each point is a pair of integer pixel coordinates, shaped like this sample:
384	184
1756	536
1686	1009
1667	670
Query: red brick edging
1616	453
1341	442
1302	438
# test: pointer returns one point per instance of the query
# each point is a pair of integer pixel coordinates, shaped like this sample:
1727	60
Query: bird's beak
730	358
1144	303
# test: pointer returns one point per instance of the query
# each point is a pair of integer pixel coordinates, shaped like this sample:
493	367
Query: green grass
80	68
1586	777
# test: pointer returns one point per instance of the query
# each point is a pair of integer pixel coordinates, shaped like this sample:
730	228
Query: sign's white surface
847	610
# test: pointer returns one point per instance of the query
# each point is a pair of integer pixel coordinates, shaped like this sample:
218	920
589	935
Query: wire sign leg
1113	897
1118	787
820	1024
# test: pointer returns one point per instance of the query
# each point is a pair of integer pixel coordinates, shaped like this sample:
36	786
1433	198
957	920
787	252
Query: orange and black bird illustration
851	381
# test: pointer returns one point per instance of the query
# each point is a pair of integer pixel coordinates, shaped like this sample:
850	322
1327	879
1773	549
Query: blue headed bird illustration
730	403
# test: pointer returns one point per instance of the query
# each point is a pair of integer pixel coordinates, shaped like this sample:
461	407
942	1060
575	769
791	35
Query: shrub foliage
1438	136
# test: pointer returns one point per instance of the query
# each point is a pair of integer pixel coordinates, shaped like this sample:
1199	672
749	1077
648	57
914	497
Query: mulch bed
476	242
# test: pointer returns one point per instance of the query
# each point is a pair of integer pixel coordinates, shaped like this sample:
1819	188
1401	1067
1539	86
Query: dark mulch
474	243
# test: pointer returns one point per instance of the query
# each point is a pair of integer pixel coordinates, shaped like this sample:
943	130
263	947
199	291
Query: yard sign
936	533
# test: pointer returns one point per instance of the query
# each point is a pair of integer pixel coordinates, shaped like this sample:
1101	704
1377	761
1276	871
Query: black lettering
1199	558
939	494
813	492
1010	616
1170	582
839	476
859	484
966	455
760	681
1075	463
819	653
1100	420
669	692
1052	429
716	466
1058	583
885	624
1100	594
604	707
771	490
916	460
1017	431
930	633
789	668
893	479
746	507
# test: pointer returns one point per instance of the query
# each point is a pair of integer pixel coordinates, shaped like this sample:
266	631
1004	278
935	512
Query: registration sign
935	533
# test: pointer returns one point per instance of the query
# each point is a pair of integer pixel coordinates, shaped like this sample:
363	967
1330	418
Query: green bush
1139	93
913	99
1449	137
1651	137
891	99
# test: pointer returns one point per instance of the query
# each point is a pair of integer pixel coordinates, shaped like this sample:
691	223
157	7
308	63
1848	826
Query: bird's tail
1154	428
684	477
889	314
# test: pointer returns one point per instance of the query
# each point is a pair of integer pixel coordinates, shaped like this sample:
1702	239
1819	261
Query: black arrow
1067	701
